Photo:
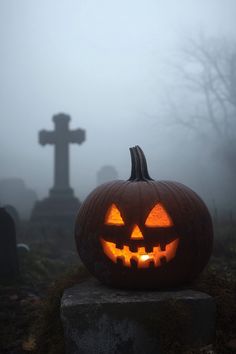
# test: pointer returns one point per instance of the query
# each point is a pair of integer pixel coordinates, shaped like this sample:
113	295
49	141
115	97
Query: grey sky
103	62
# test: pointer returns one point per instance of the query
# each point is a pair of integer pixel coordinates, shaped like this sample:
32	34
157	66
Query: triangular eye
158	217
113	216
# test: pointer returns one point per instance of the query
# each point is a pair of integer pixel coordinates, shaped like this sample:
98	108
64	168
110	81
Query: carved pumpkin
142	233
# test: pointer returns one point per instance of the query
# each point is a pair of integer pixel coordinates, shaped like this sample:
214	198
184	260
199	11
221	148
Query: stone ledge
98	319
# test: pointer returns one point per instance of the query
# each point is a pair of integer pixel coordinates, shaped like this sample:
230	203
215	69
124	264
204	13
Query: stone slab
98	319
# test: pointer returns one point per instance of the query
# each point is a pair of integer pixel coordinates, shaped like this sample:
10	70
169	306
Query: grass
30	308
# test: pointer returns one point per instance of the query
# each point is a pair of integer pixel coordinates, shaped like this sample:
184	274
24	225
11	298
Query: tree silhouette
207	100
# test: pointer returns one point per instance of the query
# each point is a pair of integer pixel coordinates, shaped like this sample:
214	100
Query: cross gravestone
61	206
9	268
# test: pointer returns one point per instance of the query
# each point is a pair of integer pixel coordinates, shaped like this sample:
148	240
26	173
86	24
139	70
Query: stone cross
61	137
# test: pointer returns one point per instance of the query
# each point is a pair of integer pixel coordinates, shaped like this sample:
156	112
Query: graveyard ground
29	307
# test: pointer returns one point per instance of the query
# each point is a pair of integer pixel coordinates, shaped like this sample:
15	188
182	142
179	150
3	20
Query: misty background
113	67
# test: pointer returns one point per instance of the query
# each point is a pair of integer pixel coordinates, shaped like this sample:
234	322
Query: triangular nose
136	233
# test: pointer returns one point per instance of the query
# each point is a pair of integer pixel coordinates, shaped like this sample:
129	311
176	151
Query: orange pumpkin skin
142	233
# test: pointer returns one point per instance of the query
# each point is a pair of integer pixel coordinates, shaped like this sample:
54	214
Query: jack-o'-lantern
142	233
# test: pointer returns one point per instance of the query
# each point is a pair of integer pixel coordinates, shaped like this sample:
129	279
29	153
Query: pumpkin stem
139	170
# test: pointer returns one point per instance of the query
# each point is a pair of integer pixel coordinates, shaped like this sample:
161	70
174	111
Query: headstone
9	268
106	174
14	214
61	206
98	319
15	193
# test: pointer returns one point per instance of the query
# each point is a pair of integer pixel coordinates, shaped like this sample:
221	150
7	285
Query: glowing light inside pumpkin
113	216
158	217
142	258
136	233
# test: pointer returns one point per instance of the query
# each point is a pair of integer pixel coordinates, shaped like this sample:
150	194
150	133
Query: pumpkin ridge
196	203
114	189
97	199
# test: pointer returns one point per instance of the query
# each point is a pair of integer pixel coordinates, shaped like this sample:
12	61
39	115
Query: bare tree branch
210	71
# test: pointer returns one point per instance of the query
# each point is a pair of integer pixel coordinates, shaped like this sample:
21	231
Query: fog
108	64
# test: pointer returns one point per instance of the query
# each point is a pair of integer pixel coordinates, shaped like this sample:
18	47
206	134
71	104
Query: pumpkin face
142	233
134	252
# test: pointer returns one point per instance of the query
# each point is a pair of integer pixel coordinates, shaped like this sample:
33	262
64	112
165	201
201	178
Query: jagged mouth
157	257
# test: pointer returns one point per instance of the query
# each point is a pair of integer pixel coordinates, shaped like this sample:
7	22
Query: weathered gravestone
14	214
9	268
14	192
106	173
98	319
61	206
